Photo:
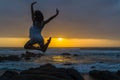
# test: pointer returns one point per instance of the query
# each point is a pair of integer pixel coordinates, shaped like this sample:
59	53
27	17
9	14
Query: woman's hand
57	11
33	3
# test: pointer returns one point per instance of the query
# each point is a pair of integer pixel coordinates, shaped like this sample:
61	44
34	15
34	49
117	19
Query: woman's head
38	15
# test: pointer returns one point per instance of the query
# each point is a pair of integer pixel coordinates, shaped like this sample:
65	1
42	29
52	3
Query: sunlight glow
64	59
60	39
62	42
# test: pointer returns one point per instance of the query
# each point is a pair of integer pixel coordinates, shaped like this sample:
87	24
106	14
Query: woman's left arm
48	20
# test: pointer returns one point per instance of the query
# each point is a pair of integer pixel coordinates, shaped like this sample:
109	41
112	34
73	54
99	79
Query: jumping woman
36	29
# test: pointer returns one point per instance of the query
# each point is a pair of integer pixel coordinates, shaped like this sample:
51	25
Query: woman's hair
38	15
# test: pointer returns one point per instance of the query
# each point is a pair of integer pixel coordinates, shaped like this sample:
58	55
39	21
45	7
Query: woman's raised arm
48	20
32	10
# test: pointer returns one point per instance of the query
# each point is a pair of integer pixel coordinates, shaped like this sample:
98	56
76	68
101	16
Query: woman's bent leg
29	45
44	48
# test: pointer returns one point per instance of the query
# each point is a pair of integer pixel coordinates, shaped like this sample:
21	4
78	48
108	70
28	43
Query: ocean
81	59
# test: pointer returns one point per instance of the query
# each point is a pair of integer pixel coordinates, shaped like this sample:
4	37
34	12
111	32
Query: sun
60	39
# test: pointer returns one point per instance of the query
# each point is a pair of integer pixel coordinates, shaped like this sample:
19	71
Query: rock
10	58
13	58
118	73
101	62
67	64
74	74
8	75
103	75
66	54
67	57
57	75
29	55
47	67
118	56
44	72
92	67
39	77
1	58
75	55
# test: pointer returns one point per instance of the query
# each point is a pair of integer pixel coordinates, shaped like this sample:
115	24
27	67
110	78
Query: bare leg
44	48
29	45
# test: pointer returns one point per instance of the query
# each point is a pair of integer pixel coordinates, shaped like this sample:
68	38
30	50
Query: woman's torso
35	30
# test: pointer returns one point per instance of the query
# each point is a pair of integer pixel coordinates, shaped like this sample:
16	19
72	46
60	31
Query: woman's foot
49	40
46	45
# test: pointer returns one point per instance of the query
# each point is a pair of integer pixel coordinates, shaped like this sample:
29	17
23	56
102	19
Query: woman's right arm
32	10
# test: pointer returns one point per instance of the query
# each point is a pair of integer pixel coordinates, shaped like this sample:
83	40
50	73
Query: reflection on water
63	59
60	59
75	59
57	59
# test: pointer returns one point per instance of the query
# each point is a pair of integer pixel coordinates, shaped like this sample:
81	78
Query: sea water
81	59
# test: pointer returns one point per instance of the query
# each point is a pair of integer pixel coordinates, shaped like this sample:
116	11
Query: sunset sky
81	23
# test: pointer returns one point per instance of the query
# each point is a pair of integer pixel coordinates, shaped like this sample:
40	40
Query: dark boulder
13	58
118	73
67	64
66	54
93	67
74	74
75	55
8	75
29	55
10	58
103	75
44	72
58	73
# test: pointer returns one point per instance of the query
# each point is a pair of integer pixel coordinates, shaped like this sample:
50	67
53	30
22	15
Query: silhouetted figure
36	28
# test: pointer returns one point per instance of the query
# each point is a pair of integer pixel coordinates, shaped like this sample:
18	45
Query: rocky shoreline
51	72
25	56
44	72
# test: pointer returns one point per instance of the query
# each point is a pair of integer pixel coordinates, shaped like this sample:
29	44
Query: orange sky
64	42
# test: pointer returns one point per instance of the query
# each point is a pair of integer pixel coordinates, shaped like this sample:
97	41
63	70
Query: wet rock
92	67
8	75
103	75
44	72
13	58
49	71
39	77
118	73
47	66
1	59
74	74
59	72
67	64
75	55
118	56
101	62
29	55
10	58
66	54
